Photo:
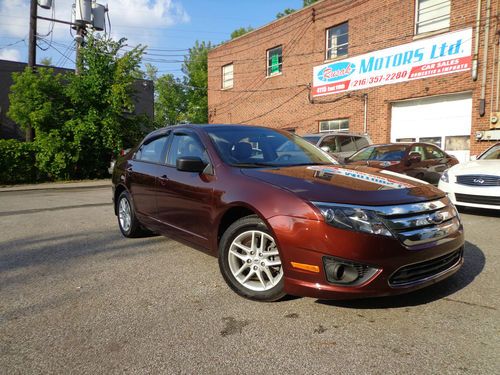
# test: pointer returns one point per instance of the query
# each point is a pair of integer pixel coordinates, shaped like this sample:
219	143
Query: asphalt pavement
77	297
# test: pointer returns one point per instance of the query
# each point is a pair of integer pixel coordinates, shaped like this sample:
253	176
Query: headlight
444	176
353	218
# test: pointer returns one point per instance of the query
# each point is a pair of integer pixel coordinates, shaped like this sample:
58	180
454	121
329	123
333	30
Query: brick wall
282	101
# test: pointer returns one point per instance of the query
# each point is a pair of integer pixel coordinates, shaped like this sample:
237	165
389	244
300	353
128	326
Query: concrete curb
92	184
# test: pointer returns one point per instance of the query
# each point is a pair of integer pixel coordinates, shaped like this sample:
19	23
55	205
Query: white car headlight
353	218
445	177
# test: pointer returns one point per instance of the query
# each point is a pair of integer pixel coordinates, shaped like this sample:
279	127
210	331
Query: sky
167	27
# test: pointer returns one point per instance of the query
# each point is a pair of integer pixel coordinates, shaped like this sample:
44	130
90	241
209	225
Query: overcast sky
159	24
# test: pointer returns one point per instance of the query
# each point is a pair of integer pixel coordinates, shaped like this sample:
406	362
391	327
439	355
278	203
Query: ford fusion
283	218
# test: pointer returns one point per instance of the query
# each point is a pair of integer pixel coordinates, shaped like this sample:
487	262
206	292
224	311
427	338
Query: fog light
339	271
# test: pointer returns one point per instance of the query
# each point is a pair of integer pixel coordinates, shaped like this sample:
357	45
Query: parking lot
77	297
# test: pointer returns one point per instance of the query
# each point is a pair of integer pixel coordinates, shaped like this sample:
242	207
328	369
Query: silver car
339	144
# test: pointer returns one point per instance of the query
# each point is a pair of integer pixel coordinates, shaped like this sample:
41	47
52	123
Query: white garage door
442	120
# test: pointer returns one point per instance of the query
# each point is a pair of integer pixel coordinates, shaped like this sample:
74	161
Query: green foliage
195	67
17	162
241	31
47	61
285	12
80	121
288	11
170	101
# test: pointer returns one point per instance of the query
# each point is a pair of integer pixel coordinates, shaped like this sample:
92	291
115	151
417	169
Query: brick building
398	70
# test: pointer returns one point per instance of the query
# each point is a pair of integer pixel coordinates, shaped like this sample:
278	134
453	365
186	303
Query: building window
227	76
432	15
337	41
274	61
334	125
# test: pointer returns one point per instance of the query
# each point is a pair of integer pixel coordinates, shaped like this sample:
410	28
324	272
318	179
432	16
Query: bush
18	162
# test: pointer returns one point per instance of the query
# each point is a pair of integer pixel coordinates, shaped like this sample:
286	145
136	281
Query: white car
475	183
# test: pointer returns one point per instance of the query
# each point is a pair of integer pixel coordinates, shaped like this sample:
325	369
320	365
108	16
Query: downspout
365	117
476	41
482	101
498	76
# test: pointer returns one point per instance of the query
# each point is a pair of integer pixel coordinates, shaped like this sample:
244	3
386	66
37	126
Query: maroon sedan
283	217
424	161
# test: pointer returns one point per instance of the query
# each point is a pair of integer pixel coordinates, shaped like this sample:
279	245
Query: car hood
487	167
347	184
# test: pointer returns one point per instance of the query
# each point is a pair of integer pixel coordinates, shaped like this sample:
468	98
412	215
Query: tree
170	101
288	11
195	67
46	61
80	120
241	31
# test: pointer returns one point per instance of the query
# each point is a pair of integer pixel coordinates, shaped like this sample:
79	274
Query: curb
99	184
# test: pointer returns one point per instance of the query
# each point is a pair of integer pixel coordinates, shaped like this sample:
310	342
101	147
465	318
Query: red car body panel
190	207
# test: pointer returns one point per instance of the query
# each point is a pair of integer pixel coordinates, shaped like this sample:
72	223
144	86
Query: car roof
322	134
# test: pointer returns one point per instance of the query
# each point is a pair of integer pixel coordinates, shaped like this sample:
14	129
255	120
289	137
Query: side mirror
414	157
473	157
190	164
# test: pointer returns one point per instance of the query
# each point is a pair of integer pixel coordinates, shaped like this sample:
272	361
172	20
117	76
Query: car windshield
381	153
251	147
492	154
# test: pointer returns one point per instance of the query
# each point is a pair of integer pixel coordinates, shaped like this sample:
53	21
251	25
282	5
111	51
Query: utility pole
79	42
32	52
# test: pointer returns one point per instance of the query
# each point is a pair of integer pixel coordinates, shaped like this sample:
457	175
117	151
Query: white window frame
227	77
327	38
438	4
280	64
337	121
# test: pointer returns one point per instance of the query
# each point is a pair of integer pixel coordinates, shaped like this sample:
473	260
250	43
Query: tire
252	272
127	221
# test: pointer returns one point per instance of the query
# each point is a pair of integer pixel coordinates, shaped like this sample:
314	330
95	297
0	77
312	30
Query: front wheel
127	221
250	262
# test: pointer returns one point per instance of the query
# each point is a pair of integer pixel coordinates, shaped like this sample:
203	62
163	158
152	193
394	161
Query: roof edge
299	11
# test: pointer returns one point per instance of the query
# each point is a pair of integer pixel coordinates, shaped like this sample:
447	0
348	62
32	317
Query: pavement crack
470	303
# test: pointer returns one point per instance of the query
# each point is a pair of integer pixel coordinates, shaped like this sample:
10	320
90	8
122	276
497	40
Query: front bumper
308	242
472	196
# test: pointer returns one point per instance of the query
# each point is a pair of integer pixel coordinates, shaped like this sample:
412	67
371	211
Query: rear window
382	153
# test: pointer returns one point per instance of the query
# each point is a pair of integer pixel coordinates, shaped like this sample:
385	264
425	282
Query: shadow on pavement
474	261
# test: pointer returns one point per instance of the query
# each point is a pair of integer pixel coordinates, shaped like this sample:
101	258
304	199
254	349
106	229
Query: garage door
442	120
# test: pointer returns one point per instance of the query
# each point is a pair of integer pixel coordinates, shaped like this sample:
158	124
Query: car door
142	172
414	168
437	163
184	199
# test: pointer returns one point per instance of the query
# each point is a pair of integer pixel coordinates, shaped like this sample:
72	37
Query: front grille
478	199
419	223
478	180
424	271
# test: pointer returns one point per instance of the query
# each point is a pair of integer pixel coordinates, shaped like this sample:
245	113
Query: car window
346	143
312	138
492	154
152	151
186	145
432	152
381	153
257	147
420	150
331	143
360	142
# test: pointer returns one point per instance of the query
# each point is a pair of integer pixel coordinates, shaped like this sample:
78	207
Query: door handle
163	180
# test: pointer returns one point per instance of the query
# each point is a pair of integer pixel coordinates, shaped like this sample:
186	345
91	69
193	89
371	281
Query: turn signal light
307	267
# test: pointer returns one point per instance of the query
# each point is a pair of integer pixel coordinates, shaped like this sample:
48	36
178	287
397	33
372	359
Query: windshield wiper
255	165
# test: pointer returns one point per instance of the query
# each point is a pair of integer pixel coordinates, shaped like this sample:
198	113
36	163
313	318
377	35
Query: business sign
430	57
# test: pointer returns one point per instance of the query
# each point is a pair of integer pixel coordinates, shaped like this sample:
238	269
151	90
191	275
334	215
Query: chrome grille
419	223
478	180
423	271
